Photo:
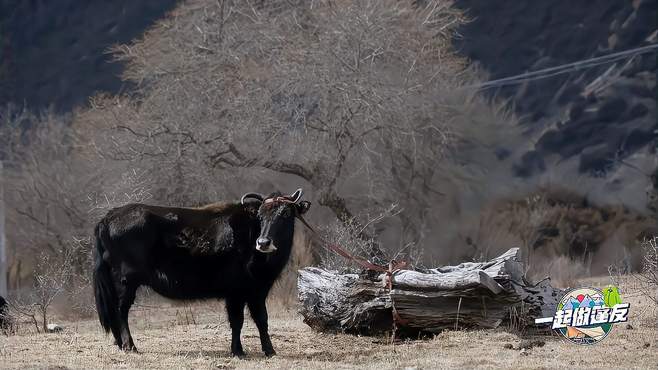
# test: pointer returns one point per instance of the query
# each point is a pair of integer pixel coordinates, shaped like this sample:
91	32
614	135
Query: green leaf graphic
611	296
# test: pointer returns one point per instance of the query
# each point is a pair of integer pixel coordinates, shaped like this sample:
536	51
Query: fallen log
469	295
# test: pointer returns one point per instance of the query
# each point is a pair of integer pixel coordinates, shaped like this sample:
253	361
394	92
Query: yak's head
277	214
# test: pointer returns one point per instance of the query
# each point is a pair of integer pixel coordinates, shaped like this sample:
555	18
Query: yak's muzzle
265	245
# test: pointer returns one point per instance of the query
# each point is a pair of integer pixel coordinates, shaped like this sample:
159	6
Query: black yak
233	251
4	314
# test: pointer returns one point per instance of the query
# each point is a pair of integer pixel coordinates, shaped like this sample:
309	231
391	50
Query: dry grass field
197	336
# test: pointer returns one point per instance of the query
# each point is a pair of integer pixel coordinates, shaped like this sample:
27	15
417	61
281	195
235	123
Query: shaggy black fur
4	319
193	253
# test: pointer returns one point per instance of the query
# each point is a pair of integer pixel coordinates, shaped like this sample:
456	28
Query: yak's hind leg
126	294
259	315
235	310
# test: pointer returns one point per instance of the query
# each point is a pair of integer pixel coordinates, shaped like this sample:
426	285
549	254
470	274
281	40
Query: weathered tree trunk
468	295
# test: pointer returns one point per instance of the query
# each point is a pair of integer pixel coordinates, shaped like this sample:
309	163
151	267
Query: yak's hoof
270	353
239	354
129	348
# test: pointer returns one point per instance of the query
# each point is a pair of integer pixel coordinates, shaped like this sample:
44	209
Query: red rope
364	263
393	267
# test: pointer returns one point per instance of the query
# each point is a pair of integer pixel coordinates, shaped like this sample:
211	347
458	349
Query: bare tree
648	278
49	205
358	99
57	191
48	184
52	277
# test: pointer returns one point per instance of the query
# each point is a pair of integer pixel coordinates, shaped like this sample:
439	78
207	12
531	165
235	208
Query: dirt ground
197	336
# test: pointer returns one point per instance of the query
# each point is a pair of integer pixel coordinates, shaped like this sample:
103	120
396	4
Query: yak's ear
303	206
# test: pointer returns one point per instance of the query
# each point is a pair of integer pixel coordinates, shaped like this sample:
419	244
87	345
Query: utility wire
564	68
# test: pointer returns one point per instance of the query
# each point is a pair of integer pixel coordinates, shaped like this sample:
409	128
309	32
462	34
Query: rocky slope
598	116
53	53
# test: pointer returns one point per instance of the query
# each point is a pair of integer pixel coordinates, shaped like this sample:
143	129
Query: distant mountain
53	53
596	117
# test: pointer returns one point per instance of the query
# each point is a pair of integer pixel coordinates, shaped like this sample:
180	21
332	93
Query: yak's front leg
259	315
235	309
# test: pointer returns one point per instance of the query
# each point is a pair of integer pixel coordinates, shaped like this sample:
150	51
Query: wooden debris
469	295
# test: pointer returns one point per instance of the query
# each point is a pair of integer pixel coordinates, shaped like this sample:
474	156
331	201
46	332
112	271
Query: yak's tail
107	302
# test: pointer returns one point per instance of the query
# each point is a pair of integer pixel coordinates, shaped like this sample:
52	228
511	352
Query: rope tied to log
393	267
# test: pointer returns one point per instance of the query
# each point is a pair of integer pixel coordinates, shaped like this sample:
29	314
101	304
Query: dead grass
167	341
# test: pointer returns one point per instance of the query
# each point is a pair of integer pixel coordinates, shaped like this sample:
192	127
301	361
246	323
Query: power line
564	68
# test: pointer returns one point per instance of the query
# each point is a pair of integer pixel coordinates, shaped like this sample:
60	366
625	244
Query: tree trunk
470	295
44	319
335	203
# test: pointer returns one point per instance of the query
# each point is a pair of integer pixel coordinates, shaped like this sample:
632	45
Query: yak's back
205	230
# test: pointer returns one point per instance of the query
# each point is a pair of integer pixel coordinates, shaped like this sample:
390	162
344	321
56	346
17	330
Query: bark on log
467	295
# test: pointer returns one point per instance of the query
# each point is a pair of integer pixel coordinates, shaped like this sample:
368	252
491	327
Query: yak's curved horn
251	195
297	195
